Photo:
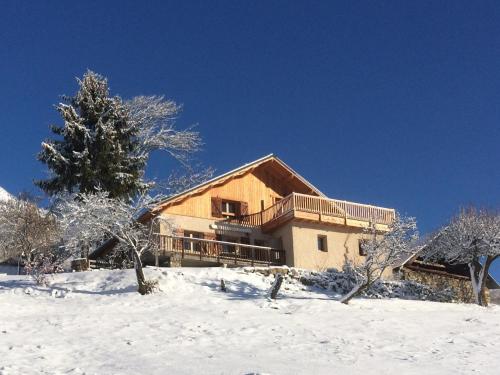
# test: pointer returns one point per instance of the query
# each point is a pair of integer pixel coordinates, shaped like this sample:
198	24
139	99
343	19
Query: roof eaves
302	179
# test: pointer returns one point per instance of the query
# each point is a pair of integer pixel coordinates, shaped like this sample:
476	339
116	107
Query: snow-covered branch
154	117
90	219
106	142
383	250
472	238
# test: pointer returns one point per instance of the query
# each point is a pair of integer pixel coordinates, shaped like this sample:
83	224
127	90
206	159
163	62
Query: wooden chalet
262	213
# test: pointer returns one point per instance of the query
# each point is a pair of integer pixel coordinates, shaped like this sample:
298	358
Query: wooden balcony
316	209
213	251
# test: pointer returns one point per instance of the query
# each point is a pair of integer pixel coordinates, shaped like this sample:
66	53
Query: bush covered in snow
42	264
341	282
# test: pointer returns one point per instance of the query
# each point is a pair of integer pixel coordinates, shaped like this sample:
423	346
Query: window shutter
216	207
243	208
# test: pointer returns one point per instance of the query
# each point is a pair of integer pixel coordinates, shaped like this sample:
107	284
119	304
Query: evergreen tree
96	149
105	142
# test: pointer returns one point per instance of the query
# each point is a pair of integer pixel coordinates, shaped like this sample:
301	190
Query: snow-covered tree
96	217
106	142
472	238
383	250
41	264
25	228
153	117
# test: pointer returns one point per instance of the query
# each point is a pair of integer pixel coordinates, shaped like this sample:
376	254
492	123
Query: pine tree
99	145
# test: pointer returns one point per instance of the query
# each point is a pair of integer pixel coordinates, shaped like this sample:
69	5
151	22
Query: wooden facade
259	187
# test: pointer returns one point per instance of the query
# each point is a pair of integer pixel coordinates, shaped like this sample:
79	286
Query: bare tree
94	218
26	230
179	182
154	119
383	250
472	238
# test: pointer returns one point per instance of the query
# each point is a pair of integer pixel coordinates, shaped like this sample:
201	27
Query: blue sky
394	103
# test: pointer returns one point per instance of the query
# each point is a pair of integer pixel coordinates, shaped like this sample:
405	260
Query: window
229	208
227	248
225	208
322	246
362	250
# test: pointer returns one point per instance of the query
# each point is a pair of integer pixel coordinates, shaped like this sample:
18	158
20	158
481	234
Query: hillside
4	195
95	323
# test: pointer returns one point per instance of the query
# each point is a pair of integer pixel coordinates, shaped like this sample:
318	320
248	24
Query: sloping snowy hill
95	323
4	195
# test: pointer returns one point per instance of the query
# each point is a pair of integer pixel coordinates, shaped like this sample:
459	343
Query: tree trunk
479	276
139	273
19	265
354	292
474	282
276	286
85	249
483	278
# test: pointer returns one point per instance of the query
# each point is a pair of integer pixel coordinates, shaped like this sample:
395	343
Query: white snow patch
96	323
4	195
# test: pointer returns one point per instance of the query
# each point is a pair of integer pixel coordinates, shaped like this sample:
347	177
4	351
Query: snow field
96	323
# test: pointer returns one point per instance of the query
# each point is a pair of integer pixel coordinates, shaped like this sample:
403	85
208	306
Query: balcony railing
317	205
221	251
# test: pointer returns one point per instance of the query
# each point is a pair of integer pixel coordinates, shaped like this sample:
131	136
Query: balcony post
320	209
345	212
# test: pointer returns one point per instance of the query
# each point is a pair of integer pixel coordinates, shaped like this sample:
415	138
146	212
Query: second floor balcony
316	209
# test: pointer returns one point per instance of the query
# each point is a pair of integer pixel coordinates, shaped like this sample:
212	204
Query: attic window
229	208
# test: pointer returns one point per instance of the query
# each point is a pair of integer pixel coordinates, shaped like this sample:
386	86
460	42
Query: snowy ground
95	323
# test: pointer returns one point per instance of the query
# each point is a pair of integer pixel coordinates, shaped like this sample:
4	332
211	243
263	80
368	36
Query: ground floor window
362	247
322	243
227	248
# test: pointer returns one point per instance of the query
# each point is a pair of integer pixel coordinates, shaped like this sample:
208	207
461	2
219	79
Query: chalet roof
241	170
407	257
